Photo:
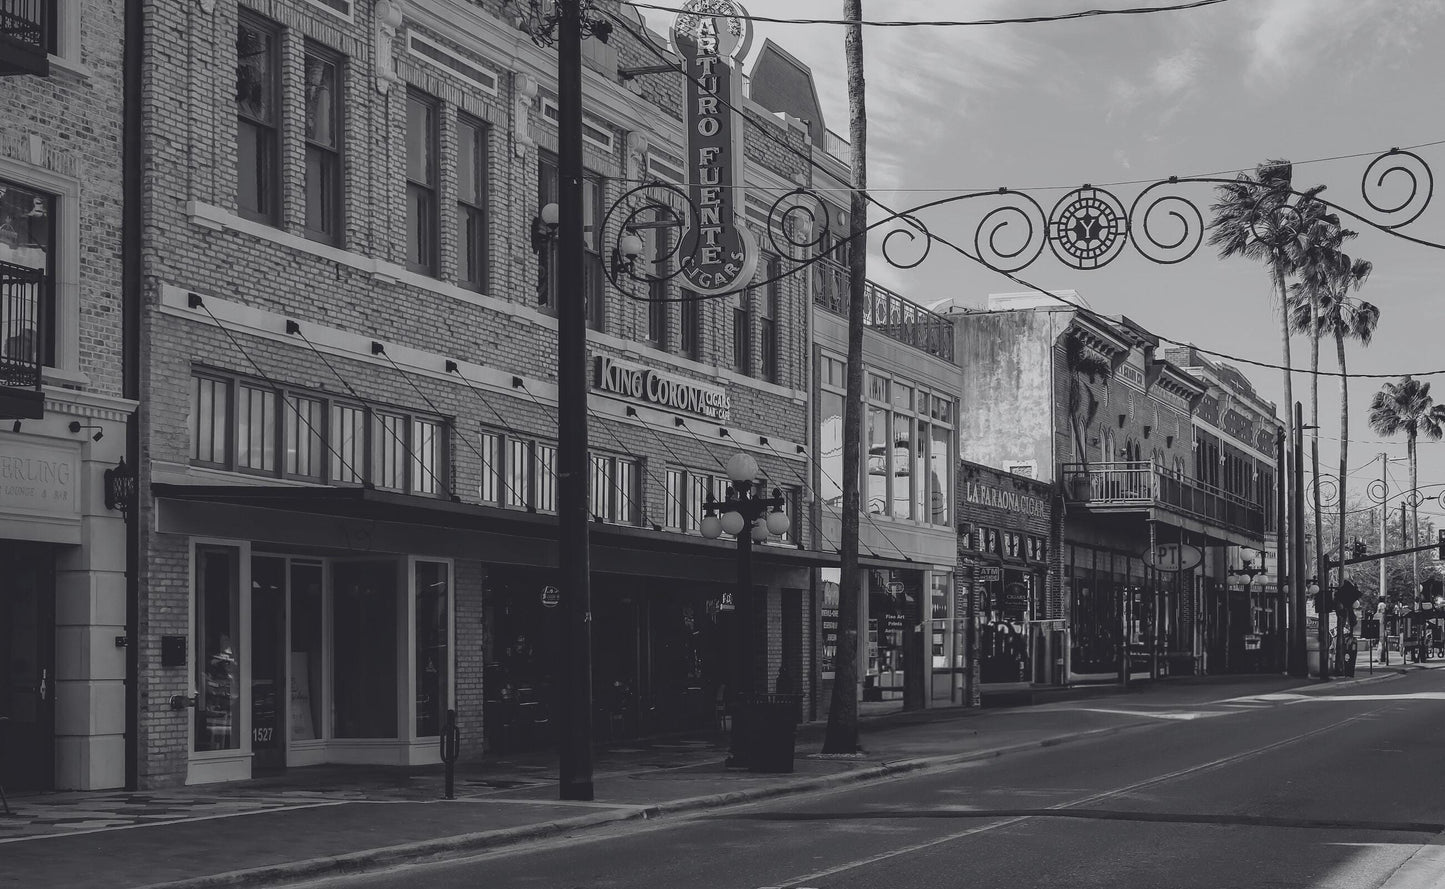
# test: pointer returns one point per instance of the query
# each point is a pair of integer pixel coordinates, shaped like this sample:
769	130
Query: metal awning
371	505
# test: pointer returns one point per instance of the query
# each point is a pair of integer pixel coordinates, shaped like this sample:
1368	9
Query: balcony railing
1147	484
837	146
884	311
22	340
27	36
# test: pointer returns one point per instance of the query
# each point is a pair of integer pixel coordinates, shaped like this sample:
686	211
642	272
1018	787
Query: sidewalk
333	819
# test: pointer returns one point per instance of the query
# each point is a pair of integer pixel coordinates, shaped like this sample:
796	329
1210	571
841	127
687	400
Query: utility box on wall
173	651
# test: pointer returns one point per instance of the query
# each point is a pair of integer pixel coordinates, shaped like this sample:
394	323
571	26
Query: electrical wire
1023	20
1028	285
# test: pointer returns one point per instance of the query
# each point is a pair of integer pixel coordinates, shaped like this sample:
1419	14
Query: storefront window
364	665
432	648
877	472
218	622
304	715
830	448
902	471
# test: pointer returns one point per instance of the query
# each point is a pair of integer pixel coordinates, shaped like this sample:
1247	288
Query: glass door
268	667
27	666
366	617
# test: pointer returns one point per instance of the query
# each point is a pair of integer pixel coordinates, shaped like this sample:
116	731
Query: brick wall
198	242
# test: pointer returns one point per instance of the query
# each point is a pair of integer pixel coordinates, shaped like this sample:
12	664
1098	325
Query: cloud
1287	38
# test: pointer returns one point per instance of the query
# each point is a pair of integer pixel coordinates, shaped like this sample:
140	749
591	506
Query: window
471	203
421	183
341	7
830	448
690	315
217	680
247	426
258	171
518	472
210	415
256	429
27	304
966	532
364	614
742	312
433	635
655	247
439	56
613	489
593	280
687	496
305	425
323	145
768	320
595	132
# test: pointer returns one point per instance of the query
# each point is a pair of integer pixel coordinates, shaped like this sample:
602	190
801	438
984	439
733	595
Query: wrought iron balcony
27	36
884	311
22	341
1147	485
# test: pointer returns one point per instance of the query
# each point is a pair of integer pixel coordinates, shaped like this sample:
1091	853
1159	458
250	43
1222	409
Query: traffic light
1440	546
1319	602
1357	549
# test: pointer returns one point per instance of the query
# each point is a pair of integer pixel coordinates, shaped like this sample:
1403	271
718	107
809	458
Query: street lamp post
751	516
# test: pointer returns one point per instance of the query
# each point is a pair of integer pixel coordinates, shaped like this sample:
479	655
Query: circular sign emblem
551	596
1088	228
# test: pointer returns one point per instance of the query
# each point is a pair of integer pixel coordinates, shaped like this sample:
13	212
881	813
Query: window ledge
57	376
72	67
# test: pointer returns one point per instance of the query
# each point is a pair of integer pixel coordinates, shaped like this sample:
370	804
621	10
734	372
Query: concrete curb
425	850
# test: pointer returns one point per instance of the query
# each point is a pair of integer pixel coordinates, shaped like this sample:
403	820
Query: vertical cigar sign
713	36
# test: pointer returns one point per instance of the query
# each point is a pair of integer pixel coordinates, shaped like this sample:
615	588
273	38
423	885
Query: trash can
770	727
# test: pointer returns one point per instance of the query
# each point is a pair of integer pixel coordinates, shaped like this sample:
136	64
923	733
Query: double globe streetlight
751	516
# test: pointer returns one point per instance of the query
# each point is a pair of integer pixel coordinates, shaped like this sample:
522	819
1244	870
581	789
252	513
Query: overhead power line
1022	20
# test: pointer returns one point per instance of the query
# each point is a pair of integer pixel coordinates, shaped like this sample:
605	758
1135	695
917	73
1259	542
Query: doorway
27	666
268	667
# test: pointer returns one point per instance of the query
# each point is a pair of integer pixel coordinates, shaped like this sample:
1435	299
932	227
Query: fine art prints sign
638	383
713	36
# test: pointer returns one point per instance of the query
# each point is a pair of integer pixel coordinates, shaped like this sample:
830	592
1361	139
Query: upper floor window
27	301
258	170
246	426
421	183
909	435
593	290
613	489
742	312
687	495
471	203
768	311
690	318
323	145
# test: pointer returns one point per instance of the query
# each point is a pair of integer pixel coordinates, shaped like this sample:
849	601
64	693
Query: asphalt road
1331	789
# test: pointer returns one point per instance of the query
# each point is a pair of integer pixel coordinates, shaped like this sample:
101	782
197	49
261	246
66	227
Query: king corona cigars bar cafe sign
645	384
720	254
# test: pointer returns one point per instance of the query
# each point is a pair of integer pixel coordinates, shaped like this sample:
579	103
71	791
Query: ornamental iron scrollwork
1377	491
1088	228
1329	492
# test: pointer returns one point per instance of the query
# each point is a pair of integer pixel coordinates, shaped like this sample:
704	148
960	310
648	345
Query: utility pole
575	667
1281	546
1300	665
842	731
1322	574
1384	547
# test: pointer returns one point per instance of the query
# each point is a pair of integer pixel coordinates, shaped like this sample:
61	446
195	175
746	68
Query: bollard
451	747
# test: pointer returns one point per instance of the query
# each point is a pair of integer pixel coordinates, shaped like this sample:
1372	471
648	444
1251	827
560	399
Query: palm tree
1407	407
1253	218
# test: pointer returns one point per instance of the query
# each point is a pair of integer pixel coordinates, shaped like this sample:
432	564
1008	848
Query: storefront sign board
1173	557
638	383
38	480
1010	501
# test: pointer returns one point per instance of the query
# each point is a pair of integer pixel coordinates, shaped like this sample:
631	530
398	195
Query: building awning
370	505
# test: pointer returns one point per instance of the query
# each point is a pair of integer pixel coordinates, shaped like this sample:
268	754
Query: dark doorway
268	669
27	666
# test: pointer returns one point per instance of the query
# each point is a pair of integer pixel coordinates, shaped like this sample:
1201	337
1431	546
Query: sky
1048	107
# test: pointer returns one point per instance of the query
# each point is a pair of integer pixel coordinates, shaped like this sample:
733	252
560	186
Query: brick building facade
1154	513
63	411
350	428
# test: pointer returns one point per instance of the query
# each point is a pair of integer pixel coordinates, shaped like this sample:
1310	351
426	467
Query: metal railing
1147	484
837	146
23	294
31	22
884	311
